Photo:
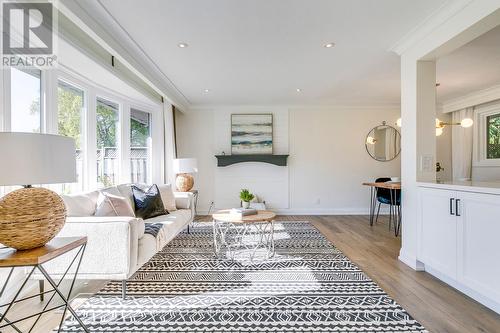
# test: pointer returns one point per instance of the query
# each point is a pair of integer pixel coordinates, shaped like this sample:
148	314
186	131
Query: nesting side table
34	259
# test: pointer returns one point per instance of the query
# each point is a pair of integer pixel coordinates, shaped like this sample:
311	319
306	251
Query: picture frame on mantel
252	134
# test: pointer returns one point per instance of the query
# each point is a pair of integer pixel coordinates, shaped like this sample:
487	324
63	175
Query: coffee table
251	232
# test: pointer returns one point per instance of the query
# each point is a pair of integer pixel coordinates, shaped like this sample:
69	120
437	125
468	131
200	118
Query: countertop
466	186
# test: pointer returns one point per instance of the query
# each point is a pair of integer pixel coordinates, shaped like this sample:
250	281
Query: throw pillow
167	196
81	204
112	205
148	203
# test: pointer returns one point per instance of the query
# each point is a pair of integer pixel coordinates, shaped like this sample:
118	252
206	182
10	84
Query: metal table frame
54	291
230	235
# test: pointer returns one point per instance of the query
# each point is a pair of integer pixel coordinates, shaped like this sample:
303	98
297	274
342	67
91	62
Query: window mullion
91	141
6	103
48	106
125	143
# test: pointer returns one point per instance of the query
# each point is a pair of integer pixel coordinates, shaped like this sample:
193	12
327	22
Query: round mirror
383	143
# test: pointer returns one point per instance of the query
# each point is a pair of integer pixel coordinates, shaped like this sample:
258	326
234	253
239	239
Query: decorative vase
246	204
30	217
184	182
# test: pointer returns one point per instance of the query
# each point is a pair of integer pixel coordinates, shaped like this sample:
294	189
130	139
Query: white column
418	145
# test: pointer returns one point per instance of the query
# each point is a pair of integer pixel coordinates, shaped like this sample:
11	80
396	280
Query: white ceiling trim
102	27
472	99
291	107
421	31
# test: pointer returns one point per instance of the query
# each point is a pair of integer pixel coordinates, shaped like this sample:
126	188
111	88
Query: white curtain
462	145
169	143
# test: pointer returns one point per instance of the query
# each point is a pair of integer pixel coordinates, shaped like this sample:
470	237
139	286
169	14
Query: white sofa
117	246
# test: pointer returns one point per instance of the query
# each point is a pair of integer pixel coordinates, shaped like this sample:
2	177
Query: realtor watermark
29	34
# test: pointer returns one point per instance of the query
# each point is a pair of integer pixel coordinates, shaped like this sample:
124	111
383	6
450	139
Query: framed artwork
251	134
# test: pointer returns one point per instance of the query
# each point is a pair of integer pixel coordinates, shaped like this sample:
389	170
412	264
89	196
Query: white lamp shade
185	165
31	158
466	122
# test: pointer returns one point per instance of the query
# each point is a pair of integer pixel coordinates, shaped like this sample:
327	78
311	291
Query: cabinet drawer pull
457	207
451	206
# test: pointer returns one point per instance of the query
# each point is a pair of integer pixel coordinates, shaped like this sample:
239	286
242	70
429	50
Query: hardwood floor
437	306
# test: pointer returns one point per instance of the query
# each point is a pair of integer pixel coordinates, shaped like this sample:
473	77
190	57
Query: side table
35	258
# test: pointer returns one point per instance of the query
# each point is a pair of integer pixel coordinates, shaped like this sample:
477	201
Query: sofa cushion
126	191
182	216
112	205
173	223
148	203
81	204
167	196
183	200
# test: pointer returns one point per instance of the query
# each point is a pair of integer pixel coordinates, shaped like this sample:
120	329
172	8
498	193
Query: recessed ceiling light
182	45
206	91
328	45
298	90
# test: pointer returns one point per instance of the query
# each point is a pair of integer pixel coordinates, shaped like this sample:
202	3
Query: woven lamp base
184	182
30	217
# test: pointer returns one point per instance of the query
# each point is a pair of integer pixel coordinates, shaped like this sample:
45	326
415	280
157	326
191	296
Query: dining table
393	187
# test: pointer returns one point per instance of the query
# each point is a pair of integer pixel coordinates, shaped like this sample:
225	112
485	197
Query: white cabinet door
438	231
479	243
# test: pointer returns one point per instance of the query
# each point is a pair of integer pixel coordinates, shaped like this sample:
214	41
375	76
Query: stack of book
240	212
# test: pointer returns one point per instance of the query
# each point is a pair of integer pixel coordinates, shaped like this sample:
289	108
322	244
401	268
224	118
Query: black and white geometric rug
308	286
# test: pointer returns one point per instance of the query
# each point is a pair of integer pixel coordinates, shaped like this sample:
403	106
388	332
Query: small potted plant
246	197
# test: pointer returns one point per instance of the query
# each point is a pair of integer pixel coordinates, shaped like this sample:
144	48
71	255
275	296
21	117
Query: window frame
481	134
7	103
83	123
119	140
488	119
150	147
92	90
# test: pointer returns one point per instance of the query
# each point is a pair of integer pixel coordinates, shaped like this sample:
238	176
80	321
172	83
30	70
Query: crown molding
93	18
472	99
428	25
292	107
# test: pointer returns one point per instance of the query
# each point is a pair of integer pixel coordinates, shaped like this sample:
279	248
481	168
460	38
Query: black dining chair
384	197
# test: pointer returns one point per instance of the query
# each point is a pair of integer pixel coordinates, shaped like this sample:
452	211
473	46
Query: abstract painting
251	134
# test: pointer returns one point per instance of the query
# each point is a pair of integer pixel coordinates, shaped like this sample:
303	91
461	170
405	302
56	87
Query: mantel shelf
225	160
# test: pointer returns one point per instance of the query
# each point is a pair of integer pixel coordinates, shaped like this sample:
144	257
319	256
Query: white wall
443	148
455	25
327	162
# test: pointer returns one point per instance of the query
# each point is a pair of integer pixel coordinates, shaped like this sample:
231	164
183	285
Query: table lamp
184	167
32	216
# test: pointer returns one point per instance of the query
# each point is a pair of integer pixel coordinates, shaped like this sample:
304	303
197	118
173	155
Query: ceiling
259	52
475	66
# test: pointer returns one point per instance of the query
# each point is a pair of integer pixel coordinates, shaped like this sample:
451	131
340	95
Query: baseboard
411	261
315	211
486	301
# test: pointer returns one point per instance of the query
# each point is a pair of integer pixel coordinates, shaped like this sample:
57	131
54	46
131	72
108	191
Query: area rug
308	286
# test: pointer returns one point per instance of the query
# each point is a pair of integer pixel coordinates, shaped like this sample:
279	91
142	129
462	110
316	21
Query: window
26	115
140	146
107	118
71	120
493	136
